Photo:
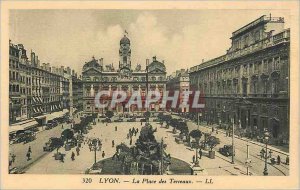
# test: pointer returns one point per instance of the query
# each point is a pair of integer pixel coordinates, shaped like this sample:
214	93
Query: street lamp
266	138
233	151
96	146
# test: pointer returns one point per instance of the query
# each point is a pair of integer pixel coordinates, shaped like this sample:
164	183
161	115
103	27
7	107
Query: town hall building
99	77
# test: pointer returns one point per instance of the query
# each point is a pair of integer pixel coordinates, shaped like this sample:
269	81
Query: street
221	165
37	145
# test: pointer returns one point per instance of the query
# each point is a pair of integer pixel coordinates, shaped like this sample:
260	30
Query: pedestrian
193	158
103	154
29	149
73	156
28	156
62	158
130	142
212	129
270	153
137	130
127	135
106	123
200	153
10	163
262	153
278	160
287	160
113	143
77	150
13	158
116	128
62	126
141	123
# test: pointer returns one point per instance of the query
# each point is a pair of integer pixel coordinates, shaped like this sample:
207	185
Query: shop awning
65	111
40	99
40	110
40	117
23	126
54	115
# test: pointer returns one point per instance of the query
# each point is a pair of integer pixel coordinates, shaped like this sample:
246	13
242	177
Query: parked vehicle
143	120
226	150
50	145
106	120
118	120
156	120
49	126
133	119
25	136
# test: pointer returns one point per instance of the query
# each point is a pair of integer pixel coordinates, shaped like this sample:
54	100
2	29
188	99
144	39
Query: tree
167	118
79	127
67	134
212	142
182	127
147	115
109	114
57	143
196	134
160	116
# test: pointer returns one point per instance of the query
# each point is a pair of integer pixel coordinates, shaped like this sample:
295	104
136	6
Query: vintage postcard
149	95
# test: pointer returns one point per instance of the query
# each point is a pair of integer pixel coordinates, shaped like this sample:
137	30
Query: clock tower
125	58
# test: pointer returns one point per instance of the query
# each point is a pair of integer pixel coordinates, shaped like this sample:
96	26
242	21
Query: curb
250	141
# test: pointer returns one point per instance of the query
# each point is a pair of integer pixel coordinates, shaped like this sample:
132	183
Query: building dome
156	65
91	64
124	40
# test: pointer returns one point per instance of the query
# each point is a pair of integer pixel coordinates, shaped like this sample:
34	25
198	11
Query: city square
225	116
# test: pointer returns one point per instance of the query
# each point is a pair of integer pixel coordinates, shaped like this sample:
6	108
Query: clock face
125	73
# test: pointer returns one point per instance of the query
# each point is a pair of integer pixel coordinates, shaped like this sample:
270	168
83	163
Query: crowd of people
274	160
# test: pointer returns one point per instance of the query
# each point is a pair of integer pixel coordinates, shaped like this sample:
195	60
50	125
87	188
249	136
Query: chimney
48	67
163	61
147	62
73	72
44	66
32	58
69	70
36	59
202	60
20	46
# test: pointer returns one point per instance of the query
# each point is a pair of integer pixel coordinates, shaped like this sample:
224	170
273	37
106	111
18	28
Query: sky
182	38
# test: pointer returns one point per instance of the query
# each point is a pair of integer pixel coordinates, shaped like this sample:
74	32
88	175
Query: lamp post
161	157
96	145
266	138
197	142
233	151
147	81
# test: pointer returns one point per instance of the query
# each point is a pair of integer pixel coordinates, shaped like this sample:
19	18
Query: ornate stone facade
250	83
96	77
